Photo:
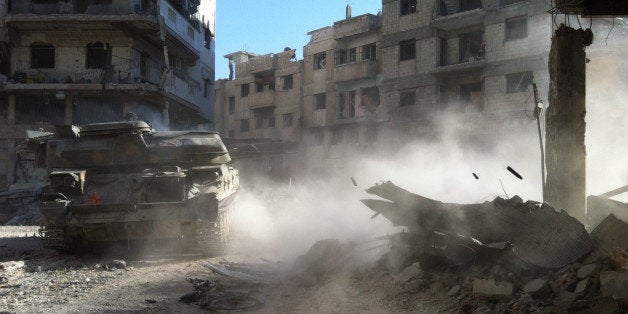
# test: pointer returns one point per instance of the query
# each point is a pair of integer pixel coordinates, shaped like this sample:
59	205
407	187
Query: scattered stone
491	288
614	284
409	273
39	269
150	301
4	280
586	271
453	291
118	263
535	286
482	309
582	286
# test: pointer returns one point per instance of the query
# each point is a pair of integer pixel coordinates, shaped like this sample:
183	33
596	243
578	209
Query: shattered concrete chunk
586	270
582	286
563	241
491	288
118	263
614	284
409	273
535	286
453	291
608	236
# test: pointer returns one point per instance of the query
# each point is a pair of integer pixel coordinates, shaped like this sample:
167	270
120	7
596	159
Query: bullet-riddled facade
77	62
389	76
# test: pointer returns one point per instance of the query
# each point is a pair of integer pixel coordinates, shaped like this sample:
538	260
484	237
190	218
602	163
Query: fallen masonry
505	255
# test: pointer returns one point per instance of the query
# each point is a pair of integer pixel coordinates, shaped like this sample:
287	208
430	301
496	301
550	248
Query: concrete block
582	286
491	288
614	284
586	270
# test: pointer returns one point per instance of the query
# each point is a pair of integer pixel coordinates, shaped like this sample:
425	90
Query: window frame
407	95
510	23
245	90
519	77
407	7
287	82
320	105
320	61
232	105
43	62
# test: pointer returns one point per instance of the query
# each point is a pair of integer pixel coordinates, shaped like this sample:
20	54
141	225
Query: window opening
42	56
407	98
407	50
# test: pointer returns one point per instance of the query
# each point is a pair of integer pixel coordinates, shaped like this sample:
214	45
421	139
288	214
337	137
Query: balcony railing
356	71
458	14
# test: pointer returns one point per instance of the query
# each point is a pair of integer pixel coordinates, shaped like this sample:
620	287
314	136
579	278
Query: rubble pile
19	207
504	255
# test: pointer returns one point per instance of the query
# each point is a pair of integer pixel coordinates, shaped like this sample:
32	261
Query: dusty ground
37	280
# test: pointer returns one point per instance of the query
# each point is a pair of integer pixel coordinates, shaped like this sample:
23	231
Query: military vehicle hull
123	181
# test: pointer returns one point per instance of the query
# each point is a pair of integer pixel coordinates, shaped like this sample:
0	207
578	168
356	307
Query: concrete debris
229	273
608	236
212	296
586	270
409	273
325	258
118	263
535	286
582	286
614	284
563	241
491	288
453	291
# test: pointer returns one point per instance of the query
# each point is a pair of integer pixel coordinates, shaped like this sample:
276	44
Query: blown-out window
97	55
42	56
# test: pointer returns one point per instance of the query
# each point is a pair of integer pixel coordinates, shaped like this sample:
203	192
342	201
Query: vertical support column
565	123
69	109
11	110
166	114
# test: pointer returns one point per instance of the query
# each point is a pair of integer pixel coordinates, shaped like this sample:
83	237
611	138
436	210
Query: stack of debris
505	255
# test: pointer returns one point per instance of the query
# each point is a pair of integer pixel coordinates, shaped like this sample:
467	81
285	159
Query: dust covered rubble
504	255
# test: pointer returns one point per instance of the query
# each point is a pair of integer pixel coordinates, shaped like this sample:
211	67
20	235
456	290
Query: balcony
181	28
261	64
356	71
458	14
62	15
472	65
355	26
261	100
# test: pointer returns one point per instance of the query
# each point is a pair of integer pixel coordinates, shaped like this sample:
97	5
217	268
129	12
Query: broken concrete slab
582	286
614	284
535	286
586	270
453	291
409	273
544	237
608	236
232	274
491	288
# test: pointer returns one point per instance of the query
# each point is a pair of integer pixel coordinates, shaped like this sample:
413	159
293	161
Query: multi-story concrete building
375	77
83	61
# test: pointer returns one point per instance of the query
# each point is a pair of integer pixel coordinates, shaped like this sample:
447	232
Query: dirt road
37	280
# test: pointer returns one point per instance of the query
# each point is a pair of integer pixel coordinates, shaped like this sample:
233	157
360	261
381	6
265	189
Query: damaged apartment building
374	77
86	61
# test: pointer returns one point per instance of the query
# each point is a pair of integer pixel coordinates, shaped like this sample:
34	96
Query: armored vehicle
123	181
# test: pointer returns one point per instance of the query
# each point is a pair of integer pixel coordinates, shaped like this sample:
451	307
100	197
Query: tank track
212	238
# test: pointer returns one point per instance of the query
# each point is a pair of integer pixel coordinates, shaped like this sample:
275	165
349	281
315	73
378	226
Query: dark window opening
320	61
271	122
320	101
271	85
471	46
516	28
443	51
447	7
341	56
353	55
208	39
258	122
518	82
370	98
287	120
244	90
407	50
262	115
231	133
231	105
286	82
408	6
39	109
207	87
259	87
471	96
42	56
98	55
244	125
145	66
369	52
407	98
346	105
